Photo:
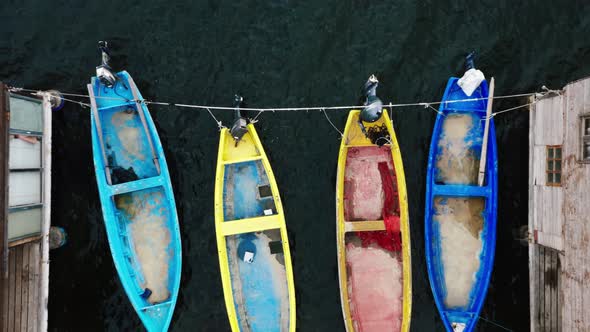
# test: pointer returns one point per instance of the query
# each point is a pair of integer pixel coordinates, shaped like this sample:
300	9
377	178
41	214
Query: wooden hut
559	210
25	183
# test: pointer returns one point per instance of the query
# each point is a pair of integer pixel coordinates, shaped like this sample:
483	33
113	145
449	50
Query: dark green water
281	53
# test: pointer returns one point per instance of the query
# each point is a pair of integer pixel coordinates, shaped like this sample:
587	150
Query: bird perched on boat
239	127
104	72
373	105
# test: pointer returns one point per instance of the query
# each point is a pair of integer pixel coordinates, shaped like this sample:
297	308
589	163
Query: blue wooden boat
460	216
137	200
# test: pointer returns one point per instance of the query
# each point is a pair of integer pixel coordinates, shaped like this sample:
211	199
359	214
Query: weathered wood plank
37	301
4	124
24	275
33	301
553	286
585	271
534	285
533	293
11	288
18	288
5	296
4	146
542	297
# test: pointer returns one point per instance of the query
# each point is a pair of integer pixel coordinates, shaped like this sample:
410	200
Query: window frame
584	137
554	171
40	135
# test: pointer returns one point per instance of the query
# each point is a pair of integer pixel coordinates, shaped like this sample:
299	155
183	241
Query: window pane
558	153
550	165
586	150
549	178
26	114
587	126
23	223
557	177
24	188
550	153
24	153
558	165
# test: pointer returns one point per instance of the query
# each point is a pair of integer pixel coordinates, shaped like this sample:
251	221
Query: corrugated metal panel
577	179
548	124
539	165
548	216
576	270
573	213
546	202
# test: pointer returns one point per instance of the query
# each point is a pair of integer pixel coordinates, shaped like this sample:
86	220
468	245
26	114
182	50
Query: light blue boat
137	200
460	216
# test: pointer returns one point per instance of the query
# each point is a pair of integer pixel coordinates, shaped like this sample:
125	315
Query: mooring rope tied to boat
496	324
219	124
327	118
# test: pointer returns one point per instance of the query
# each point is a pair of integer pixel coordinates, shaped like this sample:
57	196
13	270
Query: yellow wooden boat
252	238
374	263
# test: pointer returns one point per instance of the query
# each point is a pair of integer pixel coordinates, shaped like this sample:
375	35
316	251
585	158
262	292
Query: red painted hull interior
374	263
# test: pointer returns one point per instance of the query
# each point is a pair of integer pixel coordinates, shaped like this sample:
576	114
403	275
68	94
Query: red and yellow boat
374	261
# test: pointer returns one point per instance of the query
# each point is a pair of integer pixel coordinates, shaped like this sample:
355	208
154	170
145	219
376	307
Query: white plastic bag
471	80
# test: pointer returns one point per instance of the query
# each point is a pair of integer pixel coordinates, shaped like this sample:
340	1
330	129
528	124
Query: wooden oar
484	147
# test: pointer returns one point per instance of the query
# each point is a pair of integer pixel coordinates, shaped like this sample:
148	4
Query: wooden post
484	146
4	126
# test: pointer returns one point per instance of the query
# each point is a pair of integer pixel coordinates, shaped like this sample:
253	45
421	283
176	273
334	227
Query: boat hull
374	275
460	216
137	200
253	246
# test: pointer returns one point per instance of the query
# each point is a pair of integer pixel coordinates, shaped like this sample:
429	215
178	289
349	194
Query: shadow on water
281	53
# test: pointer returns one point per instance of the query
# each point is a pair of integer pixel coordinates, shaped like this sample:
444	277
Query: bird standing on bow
373	106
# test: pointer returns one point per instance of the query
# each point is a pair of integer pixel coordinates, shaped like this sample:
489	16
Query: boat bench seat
249	225
137	185
364	226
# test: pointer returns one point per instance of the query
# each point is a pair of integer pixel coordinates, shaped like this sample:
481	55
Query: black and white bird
373	105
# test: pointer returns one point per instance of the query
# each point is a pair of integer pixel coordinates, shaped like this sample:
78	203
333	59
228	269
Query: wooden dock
24	259
559	210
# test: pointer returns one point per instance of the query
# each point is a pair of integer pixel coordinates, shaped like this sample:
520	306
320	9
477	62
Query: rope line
256	117
434	109
285	109
219	124
496	324
327	118
427	105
